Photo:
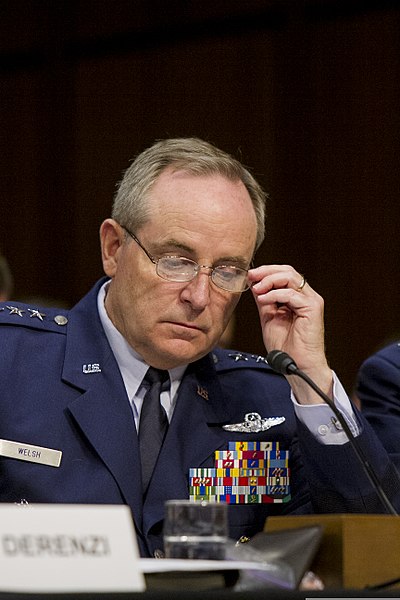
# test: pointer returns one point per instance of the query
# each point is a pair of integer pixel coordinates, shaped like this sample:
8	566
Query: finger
271	277
288	298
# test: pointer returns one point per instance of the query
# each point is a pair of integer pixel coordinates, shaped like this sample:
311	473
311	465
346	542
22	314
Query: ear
111	239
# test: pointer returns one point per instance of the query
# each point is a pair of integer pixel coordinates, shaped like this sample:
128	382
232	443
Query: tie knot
156	376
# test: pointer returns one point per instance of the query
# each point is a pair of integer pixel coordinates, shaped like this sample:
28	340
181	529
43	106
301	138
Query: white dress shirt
321	421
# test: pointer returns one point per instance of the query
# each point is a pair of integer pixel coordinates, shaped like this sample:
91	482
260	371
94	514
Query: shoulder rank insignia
236	356
253	423
15	310
36	313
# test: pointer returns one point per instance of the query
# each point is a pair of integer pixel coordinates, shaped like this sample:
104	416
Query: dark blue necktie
153	423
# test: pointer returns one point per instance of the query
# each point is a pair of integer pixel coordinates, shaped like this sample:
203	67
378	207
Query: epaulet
390	352
24	315
226	360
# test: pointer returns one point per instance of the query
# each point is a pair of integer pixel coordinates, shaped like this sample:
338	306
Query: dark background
305	93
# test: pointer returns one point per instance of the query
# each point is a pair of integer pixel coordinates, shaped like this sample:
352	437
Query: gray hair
192	155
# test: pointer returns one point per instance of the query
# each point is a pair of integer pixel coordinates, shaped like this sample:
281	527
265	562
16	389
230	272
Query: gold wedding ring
302	283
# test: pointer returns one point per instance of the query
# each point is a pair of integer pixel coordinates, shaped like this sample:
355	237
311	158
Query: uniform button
323	429
158	553
61	320
337	424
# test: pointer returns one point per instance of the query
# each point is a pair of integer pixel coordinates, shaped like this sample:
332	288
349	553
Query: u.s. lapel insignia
253	423
91	368
203	392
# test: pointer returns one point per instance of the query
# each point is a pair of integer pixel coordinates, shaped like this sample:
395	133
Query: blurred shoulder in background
6	280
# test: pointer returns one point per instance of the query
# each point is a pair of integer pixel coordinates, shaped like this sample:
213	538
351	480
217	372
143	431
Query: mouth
186	326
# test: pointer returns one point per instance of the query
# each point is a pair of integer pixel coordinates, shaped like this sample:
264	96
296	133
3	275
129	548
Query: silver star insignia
14	310
253	423
238	356
35	313
259	358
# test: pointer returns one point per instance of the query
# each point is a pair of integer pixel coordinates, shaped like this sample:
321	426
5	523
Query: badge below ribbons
246	473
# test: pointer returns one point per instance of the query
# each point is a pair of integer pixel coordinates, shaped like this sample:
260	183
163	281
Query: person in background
378	391
127	398
6	280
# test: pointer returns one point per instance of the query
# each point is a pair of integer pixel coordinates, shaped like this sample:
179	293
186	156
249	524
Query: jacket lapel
102	412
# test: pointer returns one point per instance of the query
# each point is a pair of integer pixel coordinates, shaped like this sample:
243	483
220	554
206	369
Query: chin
181	352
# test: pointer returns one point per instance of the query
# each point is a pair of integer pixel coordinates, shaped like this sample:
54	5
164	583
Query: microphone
282	363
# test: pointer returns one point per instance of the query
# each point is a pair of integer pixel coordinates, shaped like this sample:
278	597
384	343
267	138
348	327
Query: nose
197	291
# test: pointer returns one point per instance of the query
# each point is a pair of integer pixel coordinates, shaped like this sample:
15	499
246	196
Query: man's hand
292	320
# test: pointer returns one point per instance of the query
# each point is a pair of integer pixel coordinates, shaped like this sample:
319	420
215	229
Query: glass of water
195	530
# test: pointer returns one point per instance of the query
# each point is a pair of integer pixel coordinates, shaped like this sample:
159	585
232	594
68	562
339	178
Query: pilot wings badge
253	423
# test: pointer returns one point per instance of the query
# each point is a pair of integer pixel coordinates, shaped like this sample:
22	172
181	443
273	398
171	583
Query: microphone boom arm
284	364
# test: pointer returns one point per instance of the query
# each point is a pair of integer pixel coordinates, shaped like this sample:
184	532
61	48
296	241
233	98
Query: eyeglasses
178	268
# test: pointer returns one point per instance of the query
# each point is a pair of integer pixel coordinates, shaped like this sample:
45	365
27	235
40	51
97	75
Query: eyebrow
238	261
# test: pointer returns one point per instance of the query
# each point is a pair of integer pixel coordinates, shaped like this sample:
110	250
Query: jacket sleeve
378	389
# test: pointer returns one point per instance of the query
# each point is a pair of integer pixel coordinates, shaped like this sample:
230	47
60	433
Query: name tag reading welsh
35	454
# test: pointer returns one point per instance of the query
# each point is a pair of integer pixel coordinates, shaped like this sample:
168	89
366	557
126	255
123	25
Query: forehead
179	189
202	212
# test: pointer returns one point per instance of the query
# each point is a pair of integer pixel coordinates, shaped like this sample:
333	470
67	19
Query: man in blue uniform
378	390
75	421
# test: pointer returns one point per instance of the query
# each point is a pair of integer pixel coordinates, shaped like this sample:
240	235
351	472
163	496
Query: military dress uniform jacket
61	389
378	389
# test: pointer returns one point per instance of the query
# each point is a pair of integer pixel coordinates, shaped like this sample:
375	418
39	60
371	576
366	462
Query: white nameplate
68	548
37	454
